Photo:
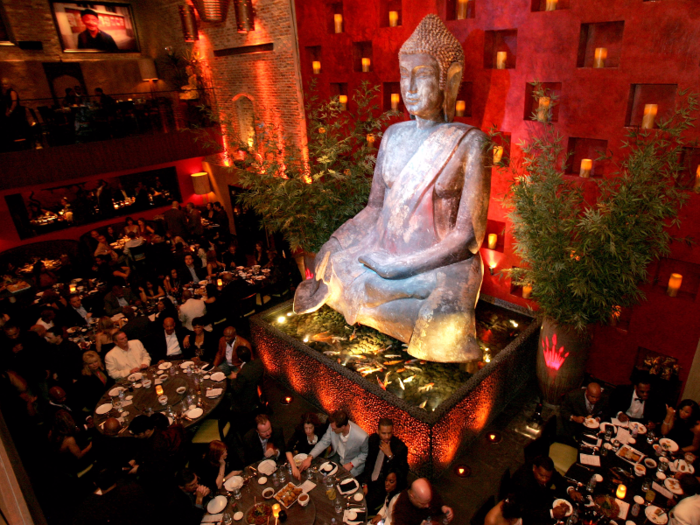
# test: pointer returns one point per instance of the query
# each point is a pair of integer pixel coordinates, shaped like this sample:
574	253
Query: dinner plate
591	423
668	444
218	376
165	366
135	377
116	391
262	480
346	488
267	467
682	466
656	515
673	485
328	468
195	413
186	364
103	409
233	483
238	516
358	497
641	429
559	501
299	458
217	505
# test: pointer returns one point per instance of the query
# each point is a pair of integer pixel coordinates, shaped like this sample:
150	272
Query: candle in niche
462	7
650	111
543	109
527	290
393	18
338	21
621	491
460	107
395	101
365	65
601	53
370	139
219	283
696	186
551	5
497	154
493	240
343	99
501	58
674	284
586	167
73	288
316	64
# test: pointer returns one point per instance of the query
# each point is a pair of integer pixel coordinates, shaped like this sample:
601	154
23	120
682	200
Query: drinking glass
650	495
608	432
651	437
228	518
237	494
339	505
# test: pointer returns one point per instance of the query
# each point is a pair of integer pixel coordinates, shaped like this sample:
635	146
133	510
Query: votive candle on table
497	154
493	240
586	167
462	6
460	107
343	99
621	491
276	510
365	65
543	109
73	288
219	283
650	111
338	20
501	58
674	284
551	5
697	179
600	54
395	101
316	64
527	290
393	18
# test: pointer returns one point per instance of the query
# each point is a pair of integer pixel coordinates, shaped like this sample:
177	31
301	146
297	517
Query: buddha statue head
431	63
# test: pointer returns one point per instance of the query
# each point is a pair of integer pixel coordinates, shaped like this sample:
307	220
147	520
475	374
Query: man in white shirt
687	512
127	357
349	442
171	343
191	309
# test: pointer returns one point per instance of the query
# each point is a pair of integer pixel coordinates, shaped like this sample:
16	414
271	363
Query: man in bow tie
637	403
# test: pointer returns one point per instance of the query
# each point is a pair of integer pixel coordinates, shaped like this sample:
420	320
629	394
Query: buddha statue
408	264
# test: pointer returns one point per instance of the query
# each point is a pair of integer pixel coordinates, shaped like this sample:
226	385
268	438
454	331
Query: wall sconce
601	54
213	11
551	5
366	62
497	154
674	284
200	182
494	437
696	186
370	139
460	107
147	68
316	65
527	291
189	23
586	167
492	268
395	101
543	109
245	17
650	111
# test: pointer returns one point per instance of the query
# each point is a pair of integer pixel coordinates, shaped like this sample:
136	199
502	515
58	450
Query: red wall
658	45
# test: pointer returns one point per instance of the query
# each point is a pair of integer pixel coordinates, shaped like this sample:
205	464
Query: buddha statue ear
452	84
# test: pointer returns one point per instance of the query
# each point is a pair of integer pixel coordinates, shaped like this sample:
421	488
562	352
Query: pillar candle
649	116
365	65
395	101
674	284
621	491
338	20
497	154
461	106
501	58
462	9
73	288
219	283
543	109
493	239
370	139
697	179
393	18
317	67
527	290
551	5
601	53
586	167
343	99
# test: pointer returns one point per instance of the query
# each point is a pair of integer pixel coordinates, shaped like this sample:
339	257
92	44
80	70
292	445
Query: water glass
147	382
651	437
228	518
339	505
237	494
608	432
646	485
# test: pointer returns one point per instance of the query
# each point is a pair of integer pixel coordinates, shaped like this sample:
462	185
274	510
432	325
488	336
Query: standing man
191	309
221	218
349	442
93	37
127	357
385	451
263	442
580	404
194	221
176	221
244	390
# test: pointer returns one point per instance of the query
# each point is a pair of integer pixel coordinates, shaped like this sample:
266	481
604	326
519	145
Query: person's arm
74	449
145	359
669	420
322	445
13	104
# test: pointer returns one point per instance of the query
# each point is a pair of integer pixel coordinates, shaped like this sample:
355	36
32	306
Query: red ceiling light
213	11
189	23
245	21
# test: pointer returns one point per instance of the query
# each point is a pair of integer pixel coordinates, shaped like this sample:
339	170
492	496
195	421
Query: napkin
212	518
624	508
661	490
359	518
214	392
619	423
307	486
126	403
588	459
347	485
623	436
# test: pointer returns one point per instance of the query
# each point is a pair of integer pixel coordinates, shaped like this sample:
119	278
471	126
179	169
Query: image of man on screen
93	37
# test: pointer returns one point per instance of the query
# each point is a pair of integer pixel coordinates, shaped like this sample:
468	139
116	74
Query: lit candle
365	65
674	284
395	101
497	154
543	109
393	18
461	106
493	239
338	19
316	64
462	9
551	5
621	491
343	99
601	53
73	288
586	167
501	58
649	115
219	283
276	510
370	139
159	390
527	290
697	179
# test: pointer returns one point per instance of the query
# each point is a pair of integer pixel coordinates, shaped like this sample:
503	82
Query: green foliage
586	259
307	199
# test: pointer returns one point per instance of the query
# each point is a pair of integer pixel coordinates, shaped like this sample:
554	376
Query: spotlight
462	470
281	319
286	400
514	323
289	314
494	437
306	339
492	268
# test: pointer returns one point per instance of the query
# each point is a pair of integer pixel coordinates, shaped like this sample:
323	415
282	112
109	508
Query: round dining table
179	380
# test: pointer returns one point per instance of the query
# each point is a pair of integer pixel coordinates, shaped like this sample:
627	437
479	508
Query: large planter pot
305	261
561	360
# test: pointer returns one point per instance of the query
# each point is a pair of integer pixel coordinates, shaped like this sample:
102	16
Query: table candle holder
601	53
460	107
338	22
586	167
650	111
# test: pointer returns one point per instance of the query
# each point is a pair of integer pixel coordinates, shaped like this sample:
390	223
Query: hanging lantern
214	11
189	23
244	15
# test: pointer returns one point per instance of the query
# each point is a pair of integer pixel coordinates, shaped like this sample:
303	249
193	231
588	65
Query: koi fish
391	363
392	356
379	381
414	368
408	379
323	337
332	352
411	361
400	370
422	405
426	388
353	335
401	384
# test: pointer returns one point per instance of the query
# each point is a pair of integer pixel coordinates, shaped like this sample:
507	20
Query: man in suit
349	442
170	343
263	441
76	314
194	221
637	403
176	221
117	299
137	326
579	404
245	401
227	354
385	451
192	272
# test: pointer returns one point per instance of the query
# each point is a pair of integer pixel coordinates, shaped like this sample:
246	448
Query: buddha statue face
420	86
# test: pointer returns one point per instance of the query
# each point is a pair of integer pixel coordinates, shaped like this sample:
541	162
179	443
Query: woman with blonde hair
105	330
93	381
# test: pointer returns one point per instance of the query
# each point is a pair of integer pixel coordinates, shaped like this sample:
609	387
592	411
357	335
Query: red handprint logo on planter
553	358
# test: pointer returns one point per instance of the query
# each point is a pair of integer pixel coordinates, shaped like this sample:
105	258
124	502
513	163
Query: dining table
185	391
267	487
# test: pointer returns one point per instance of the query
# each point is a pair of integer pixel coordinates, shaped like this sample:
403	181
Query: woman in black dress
216	466
305	437
204	343
93	381
681	425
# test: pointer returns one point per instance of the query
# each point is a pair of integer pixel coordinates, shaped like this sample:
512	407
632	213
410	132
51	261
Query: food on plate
259	514
288	495
607	505
629	454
